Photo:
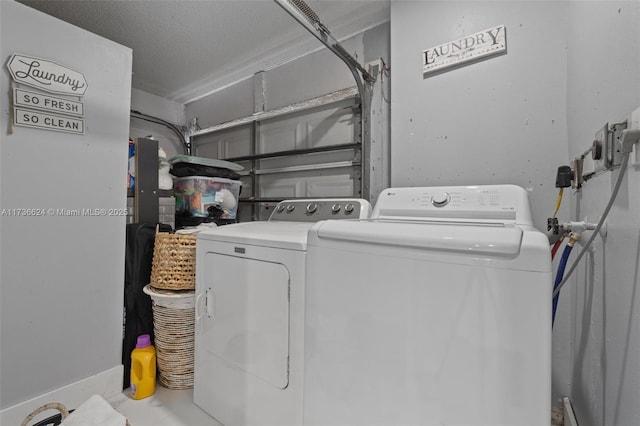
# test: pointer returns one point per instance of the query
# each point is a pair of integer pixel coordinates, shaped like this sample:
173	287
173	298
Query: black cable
54	420
171	126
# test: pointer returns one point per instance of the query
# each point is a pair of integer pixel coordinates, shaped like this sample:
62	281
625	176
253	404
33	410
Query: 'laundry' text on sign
464	50
46	75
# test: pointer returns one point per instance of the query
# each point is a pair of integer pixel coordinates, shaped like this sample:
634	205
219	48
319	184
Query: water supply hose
558	202
556	246
614	194
573	238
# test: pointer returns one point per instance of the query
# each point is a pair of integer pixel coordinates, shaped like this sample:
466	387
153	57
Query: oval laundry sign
46	75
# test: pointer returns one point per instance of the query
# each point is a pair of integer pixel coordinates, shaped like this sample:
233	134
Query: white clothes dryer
435	311
250	313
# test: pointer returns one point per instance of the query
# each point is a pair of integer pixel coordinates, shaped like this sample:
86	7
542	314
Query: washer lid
495	240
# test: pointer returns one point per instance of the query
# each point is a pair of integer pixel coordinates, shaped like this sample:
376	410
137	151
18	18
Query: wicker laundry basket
174	261
173	326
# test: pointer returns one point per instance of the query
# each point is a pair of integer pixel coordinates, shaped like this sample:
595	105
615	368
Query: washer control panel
477	203
313	210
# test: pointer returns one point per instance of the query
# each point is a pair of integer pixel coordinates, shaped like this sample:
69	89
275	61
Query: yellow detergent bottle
143	368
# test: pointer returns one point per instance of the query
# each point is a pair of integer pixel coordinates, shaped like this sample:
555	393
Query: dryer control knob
291	207
348	208
440	199
312	207
280	208
335	208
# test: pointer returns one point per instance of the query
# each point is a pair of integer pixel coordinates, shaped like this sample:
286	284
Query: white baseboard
105	384
569	415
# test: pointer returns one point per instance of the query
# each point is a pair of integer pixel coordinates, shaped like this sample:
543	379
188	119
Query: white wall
61	277
497	121
601	306
570	67
155	106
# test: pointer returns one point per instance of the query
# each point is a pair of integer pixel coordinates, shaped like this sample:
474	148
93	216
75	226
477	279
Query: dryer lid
285	235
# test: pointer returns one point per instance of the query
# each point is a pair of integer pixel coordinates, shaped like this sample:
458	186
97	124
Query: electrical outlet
614	152
606	152
599	151
633	122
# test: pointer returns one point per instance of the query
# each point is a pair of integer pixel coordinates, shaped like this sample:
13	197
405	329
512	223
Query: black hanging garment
138	316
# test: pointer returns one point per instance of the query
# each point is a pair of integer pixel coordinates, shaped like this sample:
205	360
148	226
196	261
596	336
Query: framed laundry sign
471	48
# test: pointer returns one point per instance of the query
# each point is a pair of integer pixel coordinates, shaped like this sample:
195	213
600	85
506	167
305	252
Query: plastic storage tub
200	196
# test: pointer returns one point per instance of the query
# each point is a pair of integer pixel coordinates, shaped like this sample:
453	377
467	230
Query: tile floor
164	408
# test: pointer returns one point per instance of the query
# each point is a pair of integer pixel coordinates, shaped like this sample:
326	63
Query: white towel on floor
95	412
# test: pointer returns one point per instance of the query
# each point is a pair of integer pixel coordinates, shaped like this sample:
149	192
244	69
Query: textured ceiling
184	49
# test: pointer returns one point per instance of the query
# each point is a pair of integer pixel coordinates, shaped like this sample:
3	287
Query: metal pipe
301	12
308	18
186	145
288	153
334	165
333	97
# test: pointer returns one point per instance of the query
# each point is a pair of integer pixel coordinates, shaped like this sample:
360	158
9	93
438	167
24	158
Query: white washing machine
435	311
250	313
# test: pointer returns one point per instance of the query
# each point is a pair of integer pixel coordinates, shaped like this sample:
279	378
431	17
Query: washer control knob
312	207
291	207
335	208
280	208
348	208
440	199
